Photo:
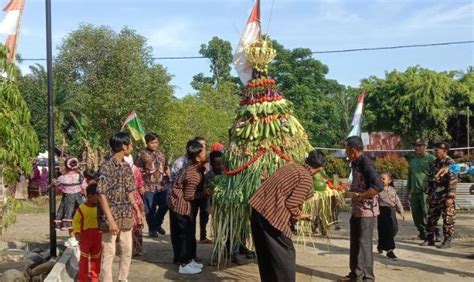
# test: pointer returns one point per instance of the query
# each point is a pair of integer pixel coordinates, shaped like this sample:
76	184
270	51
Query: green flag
135	126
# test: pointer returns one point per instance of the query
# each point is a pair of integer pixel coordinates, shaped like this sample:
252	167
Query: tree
33	88
112	74
415	103
219	53
303	80
18	140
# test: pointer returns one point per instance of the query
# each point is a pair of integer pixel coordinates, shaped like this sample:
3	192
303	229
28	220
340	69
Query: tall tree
303	80
33	88
112	73
219	53
417	102
18	140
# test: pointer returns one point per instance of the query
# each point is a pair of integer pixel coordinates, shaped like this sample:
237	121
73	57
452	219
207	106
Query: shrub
336	166
397	167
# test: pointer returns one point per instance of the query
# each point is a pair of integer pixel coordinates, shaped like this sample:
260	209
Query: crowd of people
100	209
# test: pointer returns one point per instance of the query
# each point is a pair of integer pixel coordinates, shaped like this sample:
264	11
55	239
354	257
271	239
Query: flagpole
51	162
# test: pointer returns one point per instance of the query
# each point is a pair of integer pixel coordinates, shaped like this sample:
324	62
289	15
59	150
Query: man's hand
355	197
207	193
113	228
443	171
304	217
402	216
139	218
141	190
449	203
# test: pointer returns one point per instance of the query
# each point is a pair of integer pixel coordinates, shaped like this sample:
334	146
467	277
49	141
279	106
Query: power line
394	47
318	52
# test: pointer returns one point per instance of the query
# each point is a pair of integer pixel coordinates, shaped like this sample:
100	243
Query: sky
179	27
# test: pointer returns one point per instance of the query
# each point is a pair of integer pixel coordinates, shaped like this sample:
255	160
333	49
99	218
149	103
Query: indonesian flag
357	116
10	25
251	33
135	126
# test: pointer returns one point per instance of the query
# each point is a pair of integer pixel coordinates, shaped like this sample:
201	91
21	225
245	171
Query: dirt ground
319	260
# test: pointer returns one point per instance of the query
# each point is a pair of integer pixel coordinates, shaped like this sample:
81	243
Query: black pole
51	163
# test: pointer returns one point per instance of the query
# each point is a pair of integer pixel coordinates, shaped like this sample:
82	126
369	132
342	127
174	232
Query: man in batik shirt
152	163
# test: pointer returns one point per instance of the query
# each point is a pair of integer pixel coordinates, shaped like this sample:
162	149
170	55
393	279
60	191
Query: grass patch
37	205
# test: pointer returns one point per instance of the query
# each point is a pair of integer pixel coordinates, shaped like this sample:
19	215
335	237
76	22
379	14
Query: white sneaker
189	269
196	264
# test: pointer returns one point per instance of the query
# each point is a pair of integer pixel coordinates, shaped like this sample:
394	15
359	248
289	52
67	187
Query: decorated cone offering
264	135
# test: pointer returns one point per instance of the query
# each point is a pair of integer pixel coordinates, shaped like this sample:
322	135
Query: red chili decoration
280	153
339	187
260	153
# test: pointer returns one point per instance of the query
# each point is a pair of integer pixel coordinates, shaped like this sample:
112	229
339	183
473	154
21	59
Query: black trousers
202	206
182	238
275	252
361	256
387	227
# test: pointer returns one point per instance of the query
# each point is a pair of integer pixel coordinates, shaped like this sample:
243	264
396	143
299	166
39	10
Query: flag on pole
135	126
356	121
252	32
11	24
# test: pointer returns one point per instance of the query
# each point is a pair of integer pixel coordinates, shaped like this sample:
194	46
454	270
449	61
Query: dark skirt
66	211
387	227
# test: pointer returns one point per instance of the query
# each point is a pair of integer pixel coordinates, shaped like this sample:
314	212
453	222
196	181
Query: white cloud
335	11
440	15
174	35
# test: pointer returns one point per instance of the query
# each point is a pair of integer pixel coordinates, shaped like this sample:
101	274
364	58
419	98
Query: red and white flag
11	24
252	33
356	121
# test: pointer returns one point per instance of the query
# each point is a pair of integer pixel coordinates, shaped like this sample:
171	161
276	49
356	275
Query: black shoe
391	255
428	243
422	236
445	245
337	227
152	234
379	250
161	230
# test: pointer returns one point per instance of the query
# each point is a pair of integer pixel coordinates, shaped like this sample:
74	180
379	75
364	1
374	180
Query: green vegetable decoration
264	135
319	185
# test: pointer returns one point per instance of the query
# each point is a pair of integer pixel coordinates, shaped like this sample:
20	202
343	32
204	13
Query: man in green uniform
418	170
441	197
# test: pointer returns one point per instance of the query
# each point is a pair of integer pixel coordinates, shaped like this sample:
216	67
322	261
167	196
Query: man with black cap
419	164
441	195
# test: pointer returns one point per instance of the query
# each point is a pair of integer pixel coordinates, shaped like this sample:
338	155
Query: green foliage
415	103
113	74
18	140
321	104
397	167
336	166
219	52
10	210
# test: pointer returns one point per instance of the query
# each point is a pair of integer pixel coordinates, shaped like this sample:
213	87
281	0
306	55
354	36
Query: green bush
396	166
336	166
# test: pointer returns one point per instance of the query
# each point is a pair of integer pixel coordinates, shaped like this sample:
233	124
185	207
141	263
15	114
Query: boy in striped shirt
275	207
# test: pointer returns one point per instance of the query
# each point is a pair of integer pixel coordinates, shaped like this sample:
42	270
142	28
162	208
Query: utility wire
318	52
394	47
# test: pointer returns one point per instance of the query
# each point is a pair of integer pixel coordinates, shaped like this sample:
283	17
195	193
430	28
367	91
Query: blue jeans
154	217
